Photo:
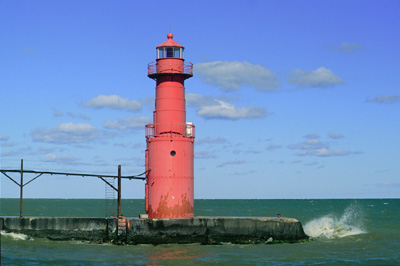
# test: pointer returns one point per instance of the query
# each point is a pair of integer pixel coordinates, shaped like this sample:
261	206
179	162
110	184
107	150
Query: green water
344	232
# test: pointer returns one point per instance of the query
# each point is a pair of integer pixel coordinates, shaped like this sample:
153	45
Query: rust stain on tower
170	139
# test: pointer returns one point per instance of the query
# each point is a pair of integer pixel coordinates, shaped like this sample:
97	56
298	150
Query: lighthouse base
204	230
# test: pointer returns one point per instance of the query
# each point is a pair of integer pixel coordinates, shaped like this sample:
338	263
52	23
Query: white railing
186	130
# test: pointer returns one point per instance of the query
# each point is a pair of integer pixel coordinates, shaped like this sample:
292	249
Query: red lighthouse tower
169	153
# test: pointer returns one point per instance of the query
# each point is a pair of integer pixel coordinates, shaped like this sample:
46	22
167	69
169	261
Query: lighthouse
169	139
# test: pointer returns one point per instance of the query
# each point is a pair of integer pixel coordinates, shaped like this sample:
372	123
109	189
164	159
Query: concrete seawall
205	230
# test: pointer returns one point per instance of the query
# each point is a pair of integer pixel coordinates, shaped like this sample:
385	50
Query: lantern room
170	60
170	49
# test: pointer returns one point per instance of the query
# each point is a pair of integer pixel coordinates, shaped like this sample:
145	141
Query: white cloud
325	152
128	123
394	185
66	133
3	137
333	135
346	47
7	144
226	110
114	102
61	158
19	152
204	155
272	147
314	147
233	162
312	136
384	99
57	113
311	144
28	51
78	116
217	109
234	75
211	141
319	78
247	151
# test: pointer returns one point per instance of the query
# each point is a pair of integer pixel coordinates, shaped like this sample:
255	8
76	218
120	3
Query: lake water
343	232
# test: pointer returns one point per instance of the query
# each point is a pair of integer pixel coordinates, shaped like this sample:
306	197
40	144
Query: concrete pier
204	230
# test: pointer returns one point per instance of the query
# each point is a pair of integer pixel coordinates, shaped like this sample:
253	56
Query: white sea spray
331	226
16	236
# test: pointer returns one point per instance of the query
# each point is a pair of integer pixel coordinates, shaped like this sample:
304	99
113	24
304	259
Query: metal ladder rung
110	201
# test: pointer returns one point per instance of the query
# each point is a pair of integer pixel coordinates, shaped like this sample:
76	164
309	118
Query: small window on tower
160	52
170	51
177	52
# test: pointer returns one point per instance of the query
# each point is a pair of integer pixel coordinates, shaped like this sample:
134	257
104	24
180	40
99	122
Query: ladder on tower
110	201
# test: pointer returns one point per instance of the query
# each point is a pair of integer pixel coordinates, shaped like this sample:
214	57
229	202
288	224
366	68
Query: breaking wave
16	236
330	226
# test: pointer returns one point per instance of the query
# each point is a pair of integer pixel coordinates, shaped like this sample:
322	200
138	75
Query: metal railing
22	184
185	130
187	69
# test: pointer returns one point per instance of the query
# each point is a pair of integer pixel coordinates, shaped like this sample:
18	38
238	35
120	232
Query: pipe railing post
21	188
119	192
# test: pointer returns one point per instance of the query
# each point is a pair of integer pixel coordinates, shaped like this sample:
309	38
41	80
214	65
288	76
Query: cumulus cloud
251	151
217	109
314	147
28	51
204	155
232	162
78	116
311	144
386	184
114	102
346	47
5	143
334	135
234	75
209	140
384	99
3	137
15	152
66	133
319	78
272	147
312	136
60	158
325	152
128	123
57	113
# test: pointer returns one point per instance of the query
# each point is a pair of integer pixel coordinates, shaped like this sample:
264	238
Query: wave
330	226
16	236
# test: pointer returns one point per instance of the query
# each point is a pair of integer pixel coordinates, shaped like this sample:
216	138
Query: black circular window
172	153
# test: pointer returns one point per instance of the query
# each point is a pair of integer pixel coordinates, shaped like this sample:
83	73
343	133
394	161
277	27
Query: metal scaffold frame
40	173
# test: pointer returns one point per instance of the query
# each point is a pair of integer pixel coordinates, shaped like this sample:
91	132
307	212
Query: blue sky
290	99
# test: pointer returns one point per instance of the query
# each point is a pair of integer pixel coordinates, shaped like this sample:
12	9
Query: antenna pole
21	188
119	192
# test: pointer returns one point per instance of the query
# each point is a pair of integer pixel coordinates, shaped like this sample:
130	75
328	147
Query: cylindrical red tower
169	153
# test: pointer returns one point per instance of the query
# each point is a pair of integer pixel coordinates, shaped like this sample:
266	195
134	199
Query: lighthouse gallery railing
187	69
186	130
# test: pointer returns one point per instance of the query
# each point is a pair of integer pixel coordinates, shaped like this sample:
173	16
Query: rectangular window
177	52
170	51
160	52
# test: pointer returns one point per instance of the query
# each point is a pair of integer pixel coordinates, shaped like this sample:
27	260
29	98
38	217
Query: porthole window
173	153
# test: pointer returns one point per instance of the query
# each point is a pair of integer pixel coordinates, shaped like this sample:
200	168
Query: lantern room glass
174	52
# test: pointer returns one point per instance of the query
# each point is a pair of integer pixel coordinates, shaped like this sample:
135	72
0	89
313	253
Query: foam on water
331	226
16	236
